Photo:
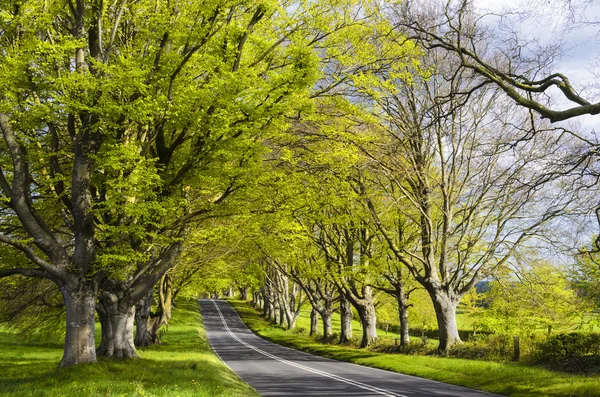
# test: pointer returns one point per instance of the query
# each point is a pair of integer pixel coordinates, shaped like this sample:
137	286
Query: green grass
184	365
510	379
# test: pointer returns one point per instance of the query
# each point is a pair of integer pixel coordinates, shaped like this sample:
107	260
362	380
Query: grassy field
183	365
508	379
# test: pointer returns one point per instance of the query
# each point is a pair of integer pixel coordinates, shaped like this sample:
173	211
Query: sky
547	21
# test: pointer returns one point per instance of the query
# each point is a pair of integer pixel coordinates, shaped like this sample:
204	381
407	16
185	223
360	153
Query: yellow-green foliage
537	299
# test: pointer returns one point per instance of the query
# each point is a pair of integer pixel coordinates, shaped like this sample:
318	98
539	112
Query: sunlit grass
183	365
510	379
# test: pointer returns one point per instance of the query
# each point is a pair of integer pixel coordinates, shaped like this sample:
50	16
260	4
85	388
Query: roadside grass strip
184	365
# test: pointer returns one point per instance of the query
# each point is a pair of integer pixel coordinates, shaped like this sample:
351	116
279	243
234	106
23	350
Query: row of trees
340	149
125	125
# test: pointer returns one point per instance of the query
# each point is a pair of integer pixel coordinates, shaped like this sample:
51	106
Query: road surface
274	370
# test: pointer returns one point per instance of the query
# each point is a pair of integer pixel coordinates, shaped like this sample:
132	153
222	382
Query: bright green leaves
536	299
128	209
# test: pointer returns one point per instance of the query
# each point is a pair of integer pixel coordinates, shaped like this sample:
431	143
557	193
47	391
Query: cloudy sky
551	21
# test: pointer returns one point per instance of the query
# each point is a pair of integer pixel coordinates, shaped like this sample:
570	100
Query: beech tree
473	197
123	123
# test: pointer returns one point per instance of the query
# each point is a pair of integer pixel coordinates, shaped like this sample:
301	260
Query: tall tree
473	197
124	122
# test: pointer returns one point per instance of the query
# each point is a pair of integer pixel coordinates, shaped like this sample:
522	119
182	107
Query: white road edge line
315	371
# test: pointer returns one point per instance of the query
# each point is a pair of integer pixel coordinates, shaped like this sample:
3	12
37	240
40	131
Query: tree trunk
165	286
403	314
314	322
445	313
345	320
119	318
404	325
80	338
290	318
243	293
292	322
272	311
123	329
327	328
107	342
142	317
281	315
368	321
266	305
257	300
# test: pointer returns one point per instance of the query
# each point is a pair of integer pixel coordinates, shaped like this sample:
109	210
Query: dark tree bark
281	317
314	322
257	300
143	316
346	317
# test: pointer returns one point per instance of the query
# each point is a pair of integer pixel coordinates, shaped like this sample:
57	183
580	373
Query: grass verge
510	379
184	365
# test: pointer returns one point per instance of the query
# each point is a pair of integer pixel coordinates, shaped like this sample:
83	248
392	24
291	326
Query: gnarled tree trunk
118	319
142	318
326	318
244	292
368	321
80	338
445	313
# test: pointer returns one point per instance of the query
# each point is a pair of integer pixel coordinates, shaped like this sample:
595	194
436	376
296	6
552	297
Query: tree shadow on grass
116	377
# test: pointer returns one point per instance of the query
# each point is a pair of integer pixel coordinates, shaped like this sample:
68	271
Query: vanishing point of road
274	370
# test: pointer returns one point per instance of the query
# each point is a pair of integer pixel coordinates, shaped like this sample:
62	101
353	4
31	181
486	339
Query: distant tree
534	297
585	276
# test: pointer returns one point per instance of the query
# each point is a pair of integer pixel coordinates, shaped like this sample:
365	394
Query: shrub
573	352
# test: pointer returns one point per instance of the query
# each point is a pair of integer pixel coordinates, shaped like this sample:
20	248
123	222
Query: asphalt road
274	370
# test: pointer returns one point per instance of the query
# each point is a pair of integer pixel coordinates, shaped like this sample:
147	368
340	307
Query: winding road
274	370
